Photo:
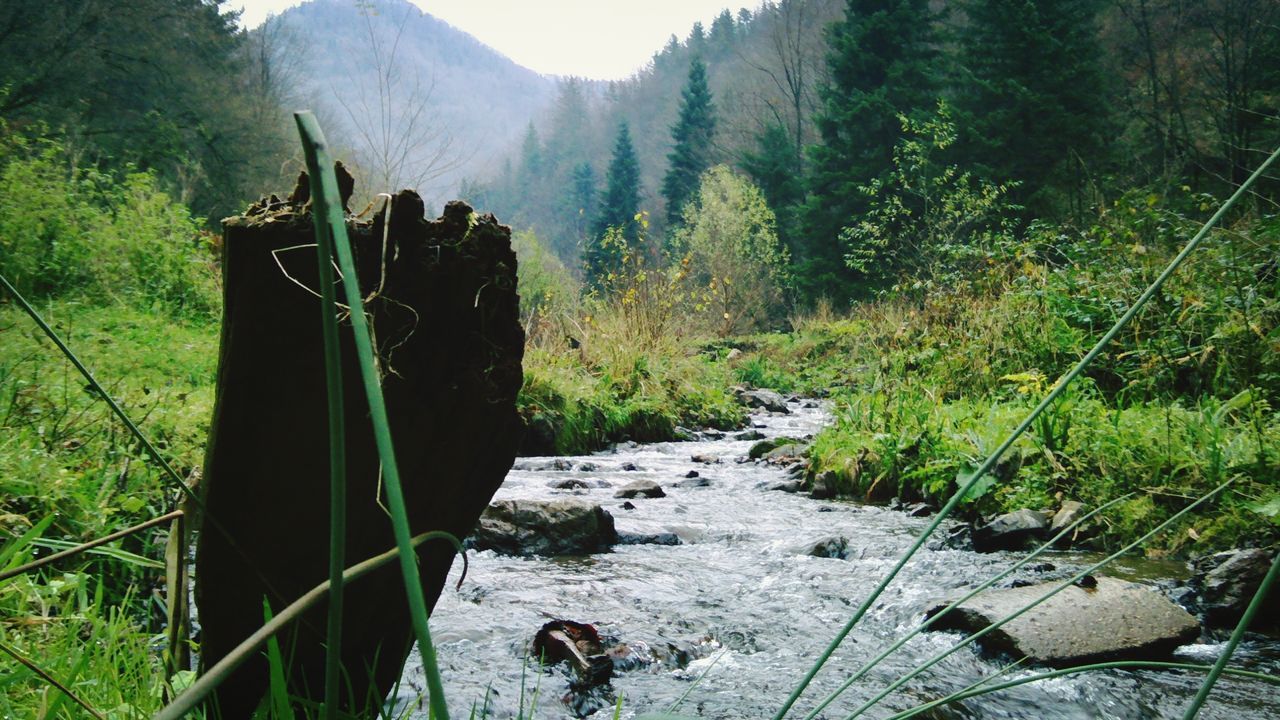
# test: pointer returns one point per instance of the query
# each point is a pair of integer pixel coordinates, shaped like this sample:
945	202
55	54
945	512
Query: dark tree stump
447	331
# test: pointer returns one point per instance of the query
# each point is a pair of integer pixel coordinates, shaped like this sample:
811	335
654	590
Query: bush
548	291
70	231
737	268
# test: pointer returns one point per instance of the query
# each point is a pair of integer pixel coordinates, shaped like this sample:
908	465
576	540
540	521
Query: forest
916	216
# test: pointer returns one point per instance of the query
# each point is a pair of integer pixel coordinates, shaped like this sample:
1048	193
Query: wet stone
640	489
832	547
1111	620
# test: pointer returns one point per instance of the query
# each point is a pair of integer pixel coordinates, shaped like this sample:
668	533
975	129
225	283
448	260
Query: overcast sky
600	39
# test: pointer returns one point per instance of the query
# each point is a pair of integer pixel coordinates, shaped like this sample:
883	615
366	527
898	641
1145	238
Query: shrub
73	231
737	268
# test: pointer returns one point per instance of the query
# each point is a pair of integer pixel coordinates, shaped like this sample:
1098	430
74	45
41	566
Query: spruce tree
879	67
692	135
1031	96
618	209
580	202
776	170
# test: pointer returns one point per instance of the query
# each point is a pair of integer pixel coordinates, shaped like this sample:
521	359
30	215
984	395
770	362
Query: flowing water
742	604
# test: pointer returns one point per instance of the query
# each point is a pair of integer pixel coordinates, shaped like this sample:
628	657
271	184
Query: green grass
1187	398
633	394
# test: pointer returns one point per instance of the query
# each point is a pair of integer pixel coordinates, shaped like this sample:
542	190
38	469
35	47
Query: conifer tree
618	208
1032	97
692	135
581	201
775	169
879	67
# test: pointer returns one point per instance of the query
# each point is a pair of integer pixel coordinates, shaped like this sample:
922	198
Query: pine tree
618	208
776	170
581	201
692	134
531	159
1032	98
879	67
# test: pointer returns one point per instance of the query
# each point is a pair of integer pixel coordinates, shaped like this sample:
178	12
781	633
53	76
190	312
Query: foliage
879	67
928	223
548	291
163	85
1030	95
1185	399
66	230
737	268
619	210
774	167
693	136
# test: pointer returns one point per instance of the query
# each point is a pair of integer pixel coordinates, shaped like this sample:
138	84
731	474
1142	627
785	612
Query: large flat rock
1115	619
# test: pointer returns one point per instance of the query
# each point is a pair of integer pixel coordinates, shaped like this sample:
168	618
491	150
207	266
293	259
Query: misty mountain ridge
410	99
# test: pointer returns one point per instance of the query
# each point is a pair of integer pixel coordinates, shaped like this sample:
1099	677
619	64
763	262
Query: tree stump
442	304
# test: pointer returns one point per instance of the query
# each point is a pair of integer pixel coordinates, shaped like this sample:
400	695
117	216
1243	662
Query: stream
741	603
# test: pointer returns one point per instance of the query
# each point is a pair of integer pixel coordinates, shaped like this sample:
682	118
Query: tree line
900	138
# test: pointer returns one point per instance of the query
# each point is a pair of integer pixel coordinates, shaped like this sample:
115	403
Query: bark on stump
447	332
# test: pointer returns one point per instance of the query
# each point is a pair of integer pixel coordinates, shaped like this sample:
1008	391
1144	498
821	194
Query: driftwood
440	297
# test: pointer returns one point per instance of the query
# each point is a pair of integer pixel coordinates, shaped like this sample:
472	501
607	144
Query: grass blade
214	676
30	665
73	550
1114	665
325	185
866	667
326	213
1014	615
1022	427
1218	667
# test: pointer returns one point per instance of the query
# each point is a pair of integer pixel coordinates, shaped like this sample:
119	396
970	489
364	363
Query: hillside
763	69
416	101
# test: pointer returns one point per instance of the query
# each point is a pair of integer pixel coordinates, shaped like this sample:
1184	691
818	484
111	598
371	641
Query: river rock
825	485
786	453
661	538
790	486
569	484
1070	512
1011	531
1111	620
705	459
749	435
764	399
1225	583
640	489
683	434
918	510
544	527
836	547
761	448
693	482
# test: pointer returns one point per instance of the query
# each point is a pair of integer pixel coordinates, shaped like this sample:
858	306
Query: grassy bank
70	472
925	387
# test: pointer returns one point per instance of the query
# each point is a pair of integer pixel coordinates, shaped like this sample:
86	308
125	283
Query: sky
598	39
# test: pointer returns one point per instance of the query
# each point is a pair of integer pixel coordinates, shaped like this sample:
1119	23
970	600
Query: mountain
413	101
763	68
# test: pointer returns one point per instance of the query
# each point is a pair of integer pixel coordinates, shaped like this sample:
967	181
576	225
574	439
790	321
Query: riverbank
927	381
736	583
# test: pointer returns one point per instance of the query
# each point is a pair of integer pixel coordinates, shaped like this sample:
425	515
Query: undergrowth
1186	397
